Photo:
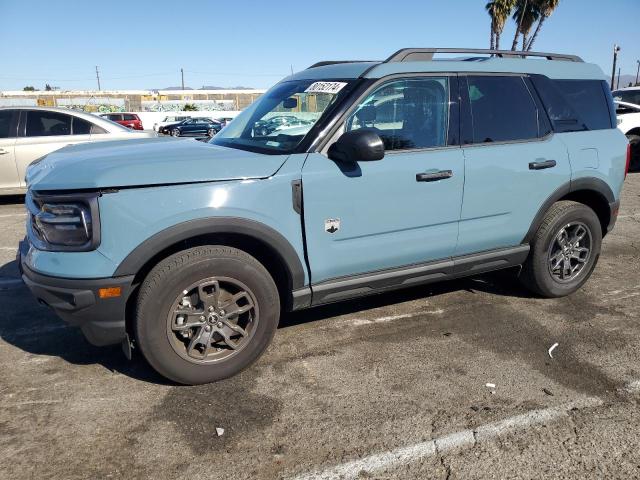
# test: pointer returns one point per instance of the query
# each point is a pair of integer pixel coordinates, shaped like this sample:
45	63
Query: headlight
68	222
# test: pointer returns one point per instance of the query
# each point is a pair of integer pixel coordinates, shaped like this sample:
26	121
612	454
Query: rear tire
208	343
564	250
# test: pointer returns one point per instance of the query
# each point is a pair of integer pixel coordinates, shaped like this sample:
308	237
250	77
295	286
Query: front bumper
78	302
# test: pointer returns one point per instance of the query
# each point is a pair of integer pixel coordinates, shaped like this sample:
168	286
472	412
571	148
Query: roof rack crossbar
426	54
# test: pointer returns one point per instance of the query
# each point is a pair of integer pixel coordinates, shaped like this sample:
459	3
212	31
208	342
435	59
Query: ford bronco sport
402	172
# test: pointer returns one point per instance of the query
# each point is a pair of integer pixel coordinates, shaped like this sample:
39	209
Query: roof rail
426	54
335	62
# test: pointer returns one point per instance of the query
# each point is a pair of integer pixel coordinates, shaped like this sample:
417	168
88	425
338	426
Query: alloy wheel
569	252
212	319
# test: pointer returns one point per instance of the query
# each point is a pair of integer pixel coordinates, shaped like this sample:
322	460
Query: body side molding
380	281
137	258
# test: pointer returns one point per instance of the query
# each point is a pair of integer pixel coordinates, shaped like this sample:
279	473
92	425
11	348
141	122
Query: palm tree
525	15
499	11
546	8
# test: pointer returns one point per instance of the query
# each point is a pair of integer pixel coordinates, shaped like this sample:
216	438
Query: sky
140	44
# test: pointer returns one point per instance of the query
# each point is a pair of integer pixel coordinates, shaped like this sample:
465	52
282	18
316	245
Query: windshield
279	120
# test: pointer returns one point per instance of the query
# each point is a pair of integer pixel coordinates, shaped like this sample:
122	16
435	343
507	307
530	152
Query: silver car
29	133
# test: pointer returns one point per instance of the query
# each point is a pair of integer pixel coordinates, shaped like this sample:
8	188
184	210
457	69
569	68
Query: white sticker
332	225
325	87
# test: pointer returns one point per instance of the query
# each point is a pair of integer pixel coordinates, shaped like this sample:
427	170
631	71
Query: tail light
626	168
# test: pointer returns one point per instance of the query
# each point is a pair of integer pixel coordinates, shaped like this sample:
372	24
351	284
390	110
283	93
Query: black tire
164	284
175	132
634	141
536	273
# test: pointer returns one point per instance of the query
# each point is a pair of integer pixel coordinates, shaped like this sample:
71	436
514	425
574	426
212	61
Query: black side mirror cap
362	145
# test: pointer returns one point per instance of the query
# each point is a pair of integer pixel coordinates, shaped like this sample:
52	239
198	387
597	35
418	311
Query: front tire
175	132
564	250
205	314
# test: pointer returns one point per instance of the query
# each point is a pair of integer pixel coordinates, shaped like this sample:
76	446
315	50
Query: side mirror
362	145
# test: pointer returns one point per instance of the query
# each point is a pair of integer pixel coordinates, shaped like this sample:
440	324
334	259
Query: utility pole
98	77
638	72
618	82
616	49
182	75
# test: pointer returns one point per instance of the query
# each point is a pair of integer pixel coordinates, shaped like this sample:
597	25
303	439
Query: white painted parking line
366	321
466	438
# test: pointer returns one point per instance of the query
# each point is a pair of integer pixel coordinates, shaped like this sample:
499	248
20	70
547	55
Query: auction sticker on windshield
325	87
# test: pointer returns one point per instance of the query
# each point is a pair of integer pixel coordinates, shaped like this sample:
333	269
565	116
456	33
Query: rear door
8	128
513	162
42	132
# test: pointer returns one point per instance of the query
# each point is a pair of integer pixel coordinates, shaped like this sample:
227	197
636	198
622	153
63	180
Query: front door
398	211
8	171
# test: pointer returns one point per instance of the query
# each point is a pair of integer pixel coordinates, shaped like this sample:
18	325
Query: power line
98	78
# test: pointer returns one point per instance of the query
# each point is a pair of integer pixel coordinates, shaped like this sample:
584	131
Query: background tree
29	88
546	8
190	107
499	11
48	88
526	14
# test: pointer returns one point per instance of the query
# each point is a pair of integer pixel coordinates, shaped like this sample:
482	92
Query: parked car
129	120
268	126
194	127
628	95
192	250
224	120
629	123
170	120
28	133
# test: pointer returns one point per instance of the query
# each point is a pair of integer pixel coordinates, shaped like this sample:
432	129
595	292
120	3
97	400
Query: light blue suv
388	174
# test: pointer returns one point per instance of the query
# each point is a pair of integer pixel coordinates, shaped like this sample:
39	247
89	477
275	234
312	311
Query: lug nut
207	328
202	318
219	325
211	309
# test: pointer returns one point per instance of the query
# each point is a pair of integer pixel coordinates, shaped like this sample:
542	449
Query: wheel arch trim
587	184
261	233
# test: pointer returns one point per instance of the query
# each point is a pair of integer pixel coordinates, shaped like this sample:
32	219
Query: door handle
542	165
3	151
433	176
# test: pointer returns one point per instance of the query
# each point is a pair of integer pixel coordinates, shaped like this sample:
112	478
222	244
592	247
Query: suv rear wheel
634	141
564	250
205	314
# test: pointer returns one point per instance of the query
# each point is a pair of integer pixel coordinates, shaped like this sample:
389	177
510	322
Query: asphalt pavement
452	380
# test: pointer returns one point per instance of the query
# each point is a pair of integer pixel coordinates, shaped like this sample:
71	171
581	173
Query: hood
148	161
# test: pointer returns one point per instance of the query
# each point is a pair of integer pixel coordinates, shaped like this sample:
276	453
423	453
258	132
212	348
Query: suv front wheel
205	314
564	250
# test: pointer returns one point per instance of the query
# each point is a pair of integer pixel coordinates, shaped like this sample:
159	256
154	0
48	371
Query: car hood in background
155	161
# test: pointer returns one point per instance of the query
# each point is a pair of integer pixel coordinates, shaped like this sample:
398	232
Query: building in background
104	101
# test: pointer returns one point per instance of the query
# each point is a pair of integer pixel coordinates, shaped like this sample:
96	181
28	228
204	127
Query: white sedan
629	123
29	133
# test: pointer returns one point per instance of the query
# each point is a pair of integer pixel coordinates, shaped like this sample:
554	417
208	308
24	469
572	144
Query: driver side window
407	114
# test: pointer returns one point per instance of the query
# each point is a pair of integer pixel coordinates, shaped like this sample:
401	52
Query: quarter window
81	127
502	109
588	99
43	123
407	114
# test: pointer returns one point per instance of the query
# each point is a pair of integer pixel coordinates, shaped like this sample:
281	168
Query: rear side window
114	117
6	124
129	116
588	99
629	96
43	124
81	127
502	109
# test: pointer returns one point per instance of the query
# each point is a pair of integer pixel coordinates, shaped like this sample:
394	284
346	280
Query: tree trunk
493	36
535	34
516	37
524	42
497	41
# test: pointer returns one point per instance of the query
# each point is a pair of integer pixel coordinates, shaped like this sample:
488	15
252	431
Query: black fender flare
260	232
579	184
